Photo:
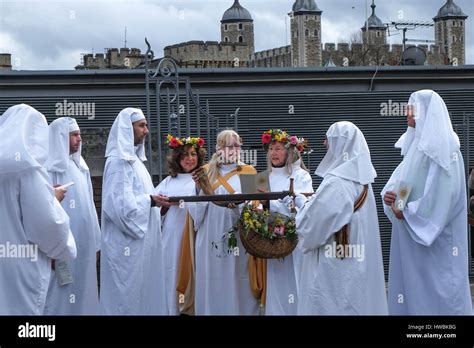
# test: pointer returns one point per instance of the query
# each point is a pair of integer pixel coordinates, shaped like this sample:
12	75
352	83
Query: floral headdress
174	143
283	137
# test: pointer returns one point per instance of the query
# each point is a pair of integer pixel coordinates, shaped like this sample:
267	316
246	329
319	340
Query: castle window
454	38
378	33
306	17
241	26
226	39
306	33
460	24
316	32
241	39
454	23
225	27
461	38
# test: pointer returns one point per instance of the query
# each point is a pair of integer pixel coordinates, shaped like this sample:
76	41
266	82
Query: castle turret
237	26
306	49
450	33
373	31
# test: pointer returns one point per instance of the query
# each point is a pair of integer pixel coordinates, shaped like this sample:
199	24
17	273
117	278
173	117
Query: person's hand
300	200
59	192
389	198
197	174
287	201
161	201
398	213
232	206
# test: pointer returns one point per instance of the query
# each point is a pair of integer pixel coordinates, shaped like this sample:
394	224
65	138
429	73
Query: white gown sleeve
127	210
303	182
44	220
428	216
323	215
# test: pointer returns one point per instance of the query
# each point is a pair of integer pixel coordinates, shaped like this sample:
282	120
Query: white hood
24	137
348	155
433	135
121	140
58	159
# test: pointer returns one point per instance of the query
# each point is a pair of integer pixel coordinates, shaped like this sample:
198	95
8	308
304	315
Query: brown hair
174	167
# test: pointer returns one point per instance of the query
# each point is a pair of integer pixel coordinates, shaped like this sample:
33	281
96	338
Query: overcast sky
52	34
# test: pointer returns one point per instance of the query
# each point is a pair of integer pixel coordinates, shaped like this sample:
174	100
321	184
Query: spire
373	21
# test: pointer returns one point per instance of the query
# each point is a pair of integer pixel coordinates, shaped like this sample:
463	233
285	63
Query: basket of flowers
264	235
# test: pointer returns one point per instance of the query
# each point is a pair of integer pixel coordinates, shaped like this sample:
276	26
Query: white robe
428	272
281	297
132	273
32	220
172	233
81	297
222	280
329	285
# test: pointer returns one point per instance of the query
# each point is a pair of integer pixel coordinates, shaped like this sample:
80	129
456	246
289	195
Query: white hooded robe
81	297
329	285
428	273
132	272
31	217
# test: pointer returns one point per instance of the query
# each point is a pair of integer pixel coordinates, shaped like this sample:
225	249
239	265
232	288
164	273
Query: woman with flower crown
283	163
186	155
224	281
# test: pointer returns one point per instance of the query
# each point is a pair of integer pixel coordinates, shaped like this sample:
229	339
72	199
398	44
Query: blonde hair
223	138
292	155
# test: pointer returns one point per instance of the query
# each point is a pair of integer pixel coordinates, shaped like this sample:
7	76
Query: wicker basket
264	248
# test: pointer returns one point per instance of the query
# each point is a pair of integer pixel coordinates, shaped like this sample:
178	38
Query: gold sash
257	268
342	236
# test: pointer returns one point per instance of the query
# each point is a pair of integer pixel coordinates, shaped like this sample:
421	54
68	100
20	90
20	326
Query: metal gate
173	107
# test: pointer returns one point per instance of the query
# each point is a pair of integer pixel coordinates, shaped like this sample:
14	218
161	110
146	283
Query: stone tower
373	31
237	26
450	33
306	48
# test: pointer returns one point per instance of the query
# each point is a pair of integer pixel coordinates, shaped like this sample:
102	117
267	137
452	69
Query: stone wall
210	54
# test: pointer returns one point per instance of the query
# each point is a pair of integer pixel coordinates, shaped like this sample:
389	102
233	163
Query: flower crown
283	137
174	143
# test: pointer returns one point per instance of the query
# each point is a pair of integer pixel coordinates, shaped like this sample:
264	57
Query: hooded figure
428	272
132	272
34	228
65	164
338	229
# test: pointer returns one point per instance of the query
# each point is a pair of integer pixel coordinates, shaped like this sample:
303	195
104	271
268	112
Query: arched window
226	39
241	39
225	27
306	33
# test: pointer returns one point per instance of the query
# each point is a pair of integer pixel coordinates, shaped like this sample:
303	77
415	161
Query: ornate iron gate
173	107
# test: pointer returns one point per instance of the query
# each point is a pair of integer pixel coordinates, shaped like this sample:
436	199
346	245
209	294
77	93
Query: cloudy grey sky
52	34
